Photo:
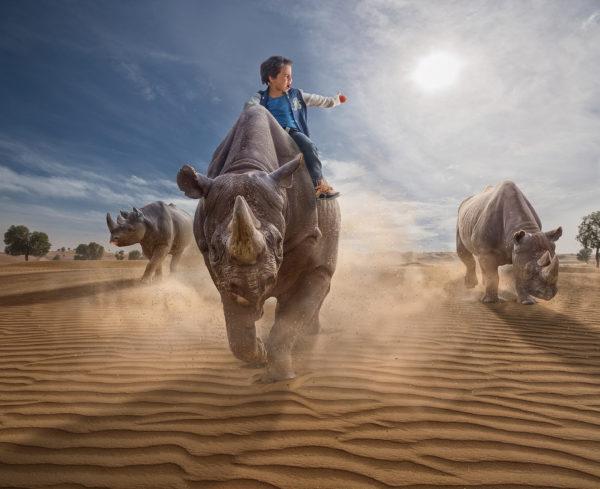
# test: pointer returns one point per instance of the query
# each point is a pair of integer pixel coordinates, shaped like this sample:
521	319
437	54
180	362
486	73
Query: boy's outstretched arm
314	100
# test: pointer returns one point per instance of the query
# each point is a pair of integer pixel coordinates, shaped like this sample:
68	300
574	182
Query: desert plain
412	382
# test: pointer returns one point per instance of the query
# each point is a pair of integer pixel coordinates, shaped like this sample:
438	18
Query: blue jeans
311	155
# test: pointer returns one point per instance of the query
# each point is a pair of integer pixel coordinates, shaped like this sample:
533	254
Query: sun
437	71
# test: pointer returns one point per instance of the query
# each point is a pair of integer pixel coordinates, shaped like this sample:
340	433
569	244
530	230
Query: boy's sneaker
325	191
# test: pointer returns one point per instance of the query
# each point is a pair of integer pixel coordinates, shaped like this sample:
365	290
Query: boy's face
283	81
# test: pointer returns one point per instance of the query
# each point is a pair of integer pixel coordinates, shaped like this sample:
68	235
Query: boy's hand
342	98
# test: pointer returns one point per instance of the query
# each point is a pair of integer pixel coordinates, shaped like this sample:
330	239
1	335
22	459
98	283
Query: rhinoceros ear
120	220
554	234
192	183
283	175
518	236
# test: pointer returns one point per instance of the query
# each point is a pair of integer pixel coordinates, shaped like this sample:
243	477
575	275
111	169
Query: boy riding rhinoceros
263	234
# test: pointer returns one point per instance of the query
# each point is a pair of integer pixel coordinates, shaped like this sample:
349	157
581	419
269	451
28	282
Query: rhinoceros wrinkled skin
263	234
500	227
161	230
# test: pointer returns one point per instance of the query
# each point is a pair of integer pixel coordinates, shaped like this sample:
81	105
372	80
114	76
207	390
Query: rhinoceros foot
528	300
278	368
470	281
259	359
271	377
491	299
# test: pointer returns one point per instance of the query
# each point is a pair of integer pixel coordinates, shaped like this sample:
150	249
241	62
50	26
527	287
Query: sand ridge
411	383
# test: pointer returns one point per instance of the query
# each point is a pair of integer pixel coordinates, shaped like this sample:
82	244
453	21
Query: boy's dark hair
272	66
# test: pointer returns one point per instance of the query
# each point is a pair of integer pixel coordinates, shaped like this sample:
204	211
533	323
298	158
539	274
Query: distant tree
20	241
17	238
91	251
584	254
120	255
134	255
81	252
589	233
39	243
56	258
96	251
63	249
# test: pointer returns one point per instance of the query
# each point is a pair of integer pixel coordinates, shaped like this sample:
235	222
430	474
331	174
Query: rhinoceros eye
277	242
215	250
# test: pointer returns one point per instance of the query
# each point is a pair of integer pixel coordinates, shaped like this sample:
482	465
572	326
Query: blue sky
102	102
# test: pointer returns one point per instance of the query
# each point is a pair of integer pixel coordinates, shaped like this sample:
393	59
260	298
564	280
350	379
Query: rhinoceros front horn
109	221
550	272
245	242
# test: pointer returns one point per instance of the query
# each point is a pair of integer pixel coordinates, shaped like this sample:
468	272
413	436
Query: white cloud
58	187
146	88
592	21
44	176
135	181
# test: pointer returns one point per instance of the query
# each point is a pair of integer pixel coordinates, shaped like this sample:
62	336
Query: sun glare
437	71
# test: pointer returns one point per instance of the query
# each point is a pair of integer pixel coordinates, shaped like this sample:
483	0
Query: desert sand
411	383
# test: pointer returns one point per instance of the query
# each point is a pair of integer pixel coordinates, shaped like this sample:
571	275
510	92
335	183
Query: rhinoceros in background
500	226
161	229
263	234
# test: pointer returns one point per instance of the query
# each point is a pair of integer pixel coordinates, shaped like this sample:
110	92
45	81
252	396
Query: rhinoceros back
170	225
182	227
487	221
256	139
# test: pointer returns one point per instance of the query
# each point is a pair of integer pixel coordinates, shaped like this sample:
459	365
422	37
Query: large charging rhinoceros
160	228
500	226
263	234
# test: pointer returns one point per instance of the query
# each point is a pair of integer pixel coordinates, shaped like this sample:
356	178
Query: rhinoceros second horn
550	272
545	259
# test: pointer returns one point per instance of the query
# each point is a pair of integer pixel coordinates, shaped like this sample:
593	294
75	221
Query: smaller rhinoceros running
161	229
500	227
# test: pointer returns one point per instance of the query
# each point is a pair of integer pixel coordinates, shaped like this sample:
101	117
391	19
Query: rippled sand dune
411	383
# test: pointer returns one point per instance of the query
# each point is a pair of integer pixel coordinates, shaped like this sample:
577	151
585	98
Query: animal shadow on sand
66	293
574	342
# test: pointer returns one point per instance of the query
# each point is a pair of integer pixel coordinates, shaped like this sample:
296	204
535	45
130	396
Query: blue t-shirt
281	110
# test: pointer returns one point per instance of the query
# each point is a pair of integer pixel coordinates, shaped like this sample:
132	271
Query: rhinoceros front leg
489	270
158	255
175	262
297	313
467	258
241	334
